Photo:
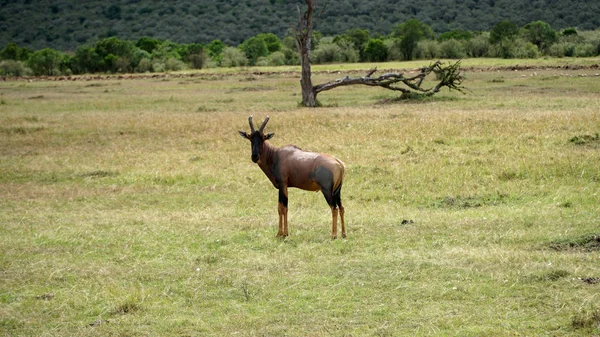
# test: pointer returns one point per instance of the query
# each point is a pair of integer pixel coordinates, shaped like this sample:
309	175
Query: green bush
326	53
254	48
452	49
46	62
13	52
13	68
479	46
291	56
517	48
278	58
173	64
233	57
375	51
586	50
329	52
427	49
144	66
562	49
525	50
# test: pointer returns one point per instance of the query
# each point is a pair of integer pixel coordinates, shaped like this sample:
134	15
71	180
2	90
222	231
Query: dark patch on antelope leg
324	177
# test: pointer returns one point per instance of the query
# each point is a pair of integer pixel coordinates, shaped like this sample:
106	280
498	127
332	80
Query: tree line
409	40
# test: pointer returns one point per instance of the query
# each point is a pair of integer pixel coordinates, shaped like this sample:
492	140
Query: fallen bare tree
448	76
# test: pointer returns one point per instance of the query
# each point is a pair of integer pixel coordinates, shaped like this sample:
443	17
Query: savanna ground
131	207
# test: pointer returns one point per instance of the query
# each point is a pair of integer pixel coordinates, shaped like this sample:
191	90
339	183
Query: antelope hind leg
334	214
342	220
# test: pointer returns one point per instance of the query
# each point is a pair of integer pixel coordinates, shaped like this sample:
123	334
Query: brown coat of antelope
289	166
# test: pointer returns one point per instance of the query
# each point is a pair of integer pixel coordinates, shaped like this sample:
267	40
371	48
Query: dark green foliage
215	50
357	37
541	34
116	55
86	60
194	55
61	25
254	48
504	34
375	51
13	52
113	12
272	42
409	34
503	31
46	62
569	32
148	44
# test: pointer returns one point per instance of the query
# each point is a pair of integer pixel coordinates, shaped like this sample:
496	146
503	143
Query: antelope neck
267	161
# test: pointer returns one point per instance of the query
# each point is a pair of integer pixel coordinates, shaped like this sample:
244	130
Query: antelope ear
269	136
244	134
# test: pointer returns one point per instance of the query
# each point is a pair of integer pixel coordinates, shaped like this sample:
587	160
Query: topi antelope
289	166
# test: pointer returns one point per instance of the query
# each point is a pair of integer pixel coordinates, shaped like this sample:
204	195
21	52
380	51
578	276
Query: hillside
64	25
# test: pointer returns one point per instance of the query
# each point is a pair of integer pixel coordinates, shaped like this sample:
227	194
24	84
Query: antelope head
256	138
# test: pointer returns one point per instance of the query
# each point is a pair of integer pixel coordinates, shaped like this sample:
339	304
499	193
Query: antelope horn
251	124
262	127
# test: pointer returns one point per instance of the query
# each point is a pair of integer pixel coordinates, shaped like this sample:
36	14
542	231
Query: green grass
131	208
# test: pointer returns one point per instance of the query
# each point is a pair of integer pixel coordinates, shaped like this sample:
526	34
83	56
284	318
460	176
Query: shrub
328	52
233	57
478	46
517	48
585	50
427	49
375	51
525	50
173	64
13	68
562	49
158	67
276	59
144	66
452	49
46	62
254	48
291	56
540	33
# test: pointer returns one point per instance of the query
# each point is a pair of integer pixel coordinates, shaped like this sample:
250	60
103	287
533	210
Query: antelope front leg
282	210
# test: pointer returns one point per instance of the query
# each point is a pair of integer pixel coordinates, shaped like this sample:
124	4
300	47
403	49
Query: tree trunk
303	38
309	96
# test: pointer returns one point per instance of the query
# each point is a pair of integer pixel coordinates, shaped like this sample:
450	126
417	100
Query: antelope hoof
333	236
281	235
343	235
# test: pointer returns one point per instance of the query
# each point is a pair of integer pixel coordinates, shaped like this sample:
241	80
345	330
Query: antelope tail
337	185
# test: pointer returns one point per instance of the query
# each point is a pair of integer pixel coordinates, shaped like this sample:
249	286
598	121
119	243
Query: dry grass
132	208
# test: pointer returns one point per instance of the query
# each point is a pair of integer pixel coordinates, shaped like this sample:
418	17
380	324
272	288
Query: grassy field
132	208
